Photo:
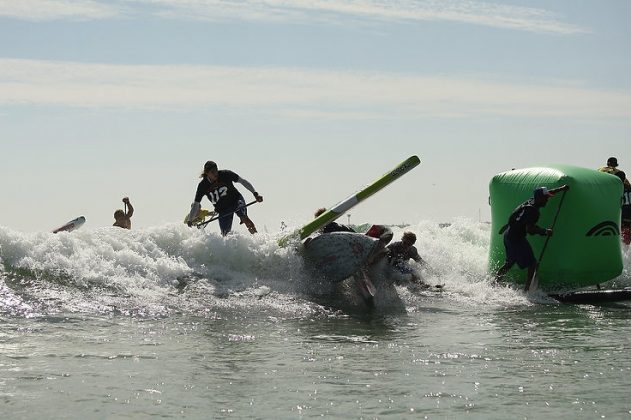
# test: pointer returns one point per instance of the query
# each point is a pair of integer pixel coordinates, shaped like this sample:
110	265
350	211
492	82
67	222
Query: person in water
123	218
401	252
333	226
611	167
218	186
625	224
523	221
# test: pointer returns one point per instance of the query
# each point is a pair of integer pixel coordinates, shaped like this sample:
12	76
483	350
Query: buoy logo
607	228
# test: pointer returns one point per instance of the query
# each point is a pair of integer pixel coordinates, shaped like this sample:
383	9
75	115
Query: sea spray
171	267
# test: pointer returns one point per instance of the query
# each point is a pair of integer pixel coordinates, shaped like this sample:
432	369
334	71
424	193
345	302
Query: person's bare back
123	218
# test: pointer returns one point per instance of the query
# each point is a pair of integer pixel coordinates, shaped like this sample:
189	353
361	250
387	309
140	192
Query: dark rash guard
398	254
524	215
626	205
222	193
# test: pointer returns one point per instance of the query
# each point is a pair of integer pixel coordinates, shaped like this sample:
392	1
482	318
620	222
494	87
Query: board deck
71	225
593	296
338	255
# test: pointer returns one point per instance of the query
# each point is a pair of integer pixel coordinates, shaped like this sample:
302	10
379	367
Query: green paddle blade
348	203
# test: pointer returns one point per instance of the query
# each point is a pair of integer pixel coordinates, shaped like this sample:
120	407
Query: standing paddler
218	186
521	222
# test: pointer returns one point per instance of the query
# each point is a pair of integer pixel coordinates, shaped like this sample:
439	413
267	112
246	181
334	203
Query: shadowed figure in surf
218	186
625	223
401	252
523	221
333	226
361	277
123	217
380	232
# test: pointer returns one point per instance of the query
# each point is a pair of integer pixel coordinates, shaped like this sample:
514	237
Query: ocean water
94	325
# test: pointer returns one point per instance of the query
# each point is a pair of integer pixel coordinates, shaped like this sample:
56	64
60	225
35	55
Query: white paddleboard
338	255
71	225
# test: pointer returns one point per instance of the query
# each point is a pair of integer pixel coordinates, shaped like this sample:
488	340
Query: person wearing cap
523	221
332	226
612	166
218	186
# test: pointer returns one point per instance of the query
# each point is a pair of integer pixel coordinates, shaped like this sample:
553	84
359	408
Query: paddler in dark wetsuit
333	226
523	221
217	186
625	224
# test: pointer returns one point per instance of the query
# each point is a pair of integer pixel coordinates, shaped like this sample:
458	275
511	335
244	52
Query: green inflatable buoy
585	248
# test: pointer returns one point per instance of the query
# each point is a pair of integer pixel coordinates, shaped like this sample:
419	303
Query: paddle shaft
545	244
212	219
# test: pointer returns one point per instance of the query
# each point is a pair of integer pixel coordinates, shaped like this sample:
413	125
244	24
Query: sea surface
172	322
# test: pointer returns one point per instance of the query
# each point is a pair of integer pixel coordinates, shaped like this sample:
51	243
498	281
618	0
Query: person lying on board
523	221
333	226
218	186
123	218
362	277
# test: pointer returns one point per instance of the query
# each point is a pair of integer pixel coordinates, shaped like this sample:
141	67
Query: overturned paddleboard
338	255
345	205
71	225
593	296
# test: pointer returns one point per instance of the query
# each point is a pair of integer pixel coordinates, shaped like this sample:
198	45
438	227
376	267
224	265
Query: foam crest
145	265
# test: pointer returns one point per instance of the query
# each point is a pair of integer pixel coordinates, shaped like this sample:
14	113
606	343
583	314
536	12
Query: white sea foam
138	270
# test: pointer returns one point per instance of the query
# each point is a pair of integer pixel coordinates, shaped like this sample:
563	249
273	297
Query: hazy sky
308	100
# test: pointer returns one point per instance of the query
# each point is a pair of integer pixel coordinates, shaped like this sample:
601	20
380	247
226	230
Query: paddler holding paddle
218	186
521	222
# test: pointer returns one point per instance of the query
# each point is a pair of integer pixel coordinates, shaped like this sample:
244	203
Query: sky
307	100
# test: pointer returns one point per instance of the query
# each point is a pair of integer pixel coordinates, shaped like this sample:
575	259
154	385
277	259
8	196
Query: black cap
209	165
612	161
542	192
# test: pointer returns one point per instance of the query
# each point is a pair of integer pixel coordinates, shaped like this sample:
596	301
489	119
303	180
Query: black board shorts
225	216
518	250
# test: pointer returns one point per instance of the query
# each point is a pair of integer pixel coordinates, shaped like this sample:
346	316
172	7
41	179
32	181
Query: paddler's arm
130	208
196	205
538	230
250	188
561	188
416	257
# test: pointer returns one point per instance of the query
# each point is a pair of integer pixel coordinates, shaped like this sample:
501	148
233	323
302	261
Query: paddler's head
408	239
119	215
541	196
210	170
319	212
